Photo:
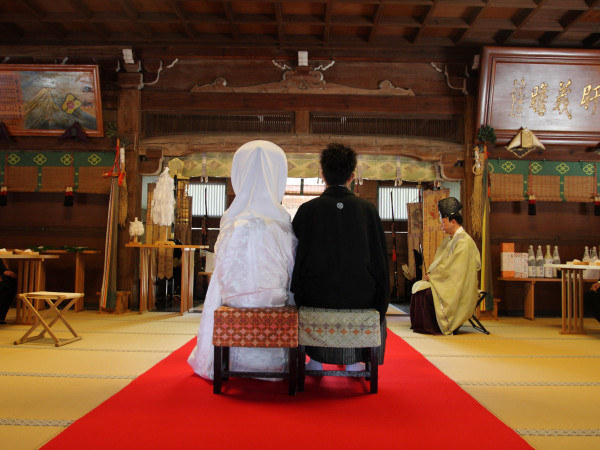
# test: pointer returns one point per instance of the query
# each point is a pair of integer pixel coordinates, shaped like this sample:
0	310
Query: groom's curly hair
337	163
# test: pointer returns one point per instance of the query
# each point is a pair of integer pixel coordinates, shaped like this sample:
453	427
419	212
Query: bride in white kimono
254	256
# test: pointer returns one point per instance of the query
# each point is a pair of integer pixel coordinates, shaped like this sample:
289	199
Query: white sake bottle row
536	261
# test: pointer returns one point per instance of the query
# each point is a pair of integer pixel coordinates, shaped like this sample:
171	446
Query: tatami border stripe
36	422
77	349
66	375
511	356
559	432
479	337
532	383
152	333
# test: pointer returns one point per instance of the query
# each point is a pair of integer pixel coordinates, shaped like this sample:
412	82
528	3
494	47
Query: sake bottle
586	254
555	260
539	263
593	254
548	272
531	263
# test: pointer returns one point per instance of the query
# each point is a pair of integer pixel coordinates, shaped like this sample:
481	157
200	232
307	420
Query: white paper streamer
163	202
136	228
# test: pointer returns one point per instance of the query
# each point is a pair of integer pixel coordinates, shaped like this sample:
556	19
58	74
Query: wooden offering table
529	286
79	271
572	295
31	277
54	301
187	272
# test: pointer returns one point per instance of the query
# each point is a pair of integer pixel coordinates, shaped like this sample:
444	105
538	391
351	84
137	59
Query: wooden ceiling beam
88	16
376	20
55	29
418	148
522	22
228	11
568	22
279	21
14	30
425	21
592	41
131	12
174	5
472	23
327	22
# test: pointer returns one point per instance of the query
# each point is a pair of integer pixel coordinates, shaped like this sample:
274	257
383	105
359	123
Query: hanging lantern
3	195
68	196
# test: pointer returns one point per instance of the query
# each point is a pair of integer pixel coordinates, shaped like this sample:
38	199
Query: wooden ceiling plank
376	19
569	21
228	10
88	15
174	5
592	41
327	21
373	26
472	23
279	22
425	20
526	16
55	29
15	31
133	17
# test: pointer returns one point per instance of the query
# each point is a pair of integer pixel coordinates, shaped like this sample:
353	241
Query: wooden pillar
128	123
302	125
469	132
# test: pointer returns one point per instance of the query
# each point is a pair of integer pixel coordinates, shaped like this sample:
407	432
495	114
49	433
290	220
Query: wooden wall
33	219
40	219
571	226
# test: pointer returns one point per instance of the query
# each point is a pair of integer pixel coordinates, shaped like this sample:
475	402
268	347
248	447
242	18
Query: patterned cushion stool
341	328
255	327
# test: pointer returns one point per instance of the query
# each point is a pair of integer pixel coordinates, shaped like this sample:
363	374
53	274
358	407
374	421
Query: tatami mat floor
544	385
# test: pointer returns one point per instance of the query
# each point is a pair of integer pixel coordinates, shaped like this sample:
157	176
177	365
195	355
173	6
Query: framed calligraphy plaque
40	100
553	92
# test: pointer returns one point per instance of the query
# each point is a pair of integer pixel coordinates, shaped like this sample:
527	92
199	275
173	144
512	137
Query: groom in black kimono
341	259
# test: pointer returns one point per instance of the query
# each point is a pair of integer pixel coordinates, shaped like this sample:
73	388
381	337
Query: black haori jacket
341	259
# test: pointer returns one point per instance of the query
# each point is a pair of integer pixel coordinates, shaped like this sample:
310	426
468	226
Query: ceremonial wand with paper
395	291
423	261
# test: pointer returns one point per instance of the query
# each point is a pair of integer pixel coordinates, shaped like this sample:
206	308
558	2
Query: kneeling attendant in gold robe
447	296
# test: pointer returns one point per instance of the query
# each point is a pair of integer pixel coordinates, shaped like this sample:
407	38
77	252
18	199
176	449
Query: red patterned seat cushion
256	327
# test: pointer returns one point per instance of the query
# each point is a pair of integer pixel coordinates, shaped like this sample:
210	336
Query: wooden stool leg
293	369
225	364
217	380
301	364
374	369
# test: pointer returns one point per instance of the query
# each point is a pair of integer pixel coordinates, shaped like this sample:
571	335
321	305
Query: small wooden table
572	295
529	286
53	300
187	272
31	277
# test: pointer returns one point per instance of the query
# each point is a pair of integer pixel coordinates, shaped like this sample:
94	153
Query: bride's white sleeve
202	357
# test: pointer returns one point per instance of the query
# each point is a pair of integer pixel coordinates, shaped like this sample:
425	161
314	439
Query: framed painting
42	100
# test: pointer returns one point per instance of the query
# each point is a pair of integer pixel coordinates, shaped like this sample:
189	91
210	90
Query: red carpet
417	407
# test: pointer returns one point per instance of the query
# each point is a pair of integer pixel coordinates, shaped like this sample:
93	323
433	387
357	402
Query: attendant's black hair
456	216
337	163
